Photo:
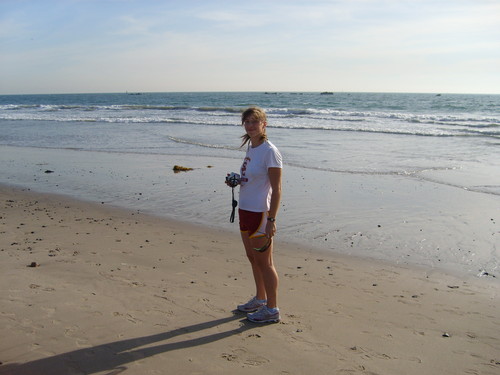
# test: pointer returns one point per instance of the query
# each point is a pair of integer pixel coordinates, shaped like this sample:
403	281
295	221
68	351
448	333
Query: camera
233	179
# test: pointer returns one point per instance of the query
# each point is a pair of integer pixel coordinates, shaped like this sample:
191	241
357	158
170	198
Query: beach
387	245
88	288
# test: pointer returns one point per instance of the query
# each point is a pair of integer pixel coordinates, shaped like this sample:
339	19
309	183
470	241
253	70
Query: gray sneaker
253	305
265	315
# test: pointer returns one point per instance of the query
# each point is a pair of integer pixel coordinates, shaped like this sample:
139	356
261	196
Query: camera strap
234	204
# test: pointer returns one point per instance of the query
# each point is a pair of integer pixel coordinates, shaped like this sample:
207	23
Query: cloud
11	28
245	45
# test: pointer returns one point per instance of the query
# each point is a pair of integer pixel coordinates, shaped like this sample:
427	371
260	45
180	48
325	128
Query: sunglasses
265	247
251	122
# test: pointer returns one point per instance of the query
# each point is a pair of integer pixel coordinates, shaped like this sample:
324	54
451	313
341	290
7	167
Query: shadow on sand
114	356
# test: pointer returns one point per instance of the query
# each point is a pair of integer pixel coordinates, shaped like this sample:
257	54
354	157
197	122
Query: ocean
355	163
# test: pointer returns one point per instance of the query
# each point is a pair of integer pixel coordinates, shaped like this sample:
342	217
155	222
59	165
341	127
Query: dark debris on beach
179	168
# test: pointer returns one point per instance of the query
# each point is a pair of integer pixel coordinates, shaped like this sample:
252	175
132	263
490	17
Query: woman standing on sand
260	195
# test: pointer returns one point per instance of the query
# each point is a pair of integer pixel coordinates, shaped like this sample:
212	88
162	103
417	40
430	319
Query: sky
91	46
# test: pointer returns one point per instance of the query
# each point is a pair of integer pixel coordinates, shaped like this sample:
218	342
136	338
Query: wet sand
396	218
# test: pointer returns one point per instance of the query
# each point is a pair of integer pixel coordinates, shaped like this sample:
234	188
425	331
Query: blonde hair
258	114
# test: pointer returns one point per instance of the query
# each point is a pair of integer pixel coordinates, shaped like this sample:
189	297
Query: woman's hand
270	229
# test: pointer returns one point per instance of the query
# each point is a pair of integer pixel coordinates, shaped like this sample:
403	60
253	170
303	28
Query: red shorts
253	222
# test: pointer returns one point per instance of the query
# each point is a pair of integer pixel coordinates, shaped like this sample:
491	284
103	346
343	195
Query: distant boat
134	93
326	93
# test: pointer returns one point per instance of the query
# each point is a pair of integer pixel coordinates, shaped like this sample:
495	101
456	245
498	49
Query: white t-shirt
255	188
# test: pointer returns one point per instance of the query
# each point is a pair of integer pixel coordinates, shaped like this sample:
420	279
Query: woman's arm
275	179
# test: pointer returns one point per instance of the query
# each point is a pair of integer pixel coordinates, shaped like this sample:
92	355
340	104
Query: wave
490	130
152	107
403	117
309	113
327	119
206	145
418	174
413	132
14	107
115	107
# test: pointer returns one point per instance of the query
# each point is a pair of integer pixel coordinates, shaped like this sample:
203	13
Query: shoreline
116	290
400	219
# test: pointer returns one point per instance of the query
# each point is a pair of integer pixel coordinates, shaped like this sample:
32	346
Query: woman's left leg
264	262
260	289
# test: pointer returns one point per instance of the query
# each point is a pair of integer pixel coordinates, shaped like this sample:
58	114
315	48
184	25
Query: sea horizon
134	92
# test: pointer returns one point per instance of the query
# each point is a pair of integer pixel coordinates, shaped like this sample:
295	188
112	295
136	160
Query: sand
92	289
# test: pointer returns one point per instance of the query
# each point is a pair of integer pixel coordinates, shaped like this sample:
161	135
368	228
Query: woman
260	195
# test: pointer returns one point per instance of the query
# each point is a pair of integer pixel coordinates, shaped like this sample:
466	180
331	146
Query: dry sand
114	291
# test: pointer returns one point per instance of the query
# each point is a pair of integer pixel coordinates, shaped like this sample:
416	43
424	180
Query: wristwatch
271	219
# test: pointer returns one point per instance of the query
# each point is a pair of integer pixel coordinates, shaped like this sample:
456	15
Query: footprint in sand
241	356
368	353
